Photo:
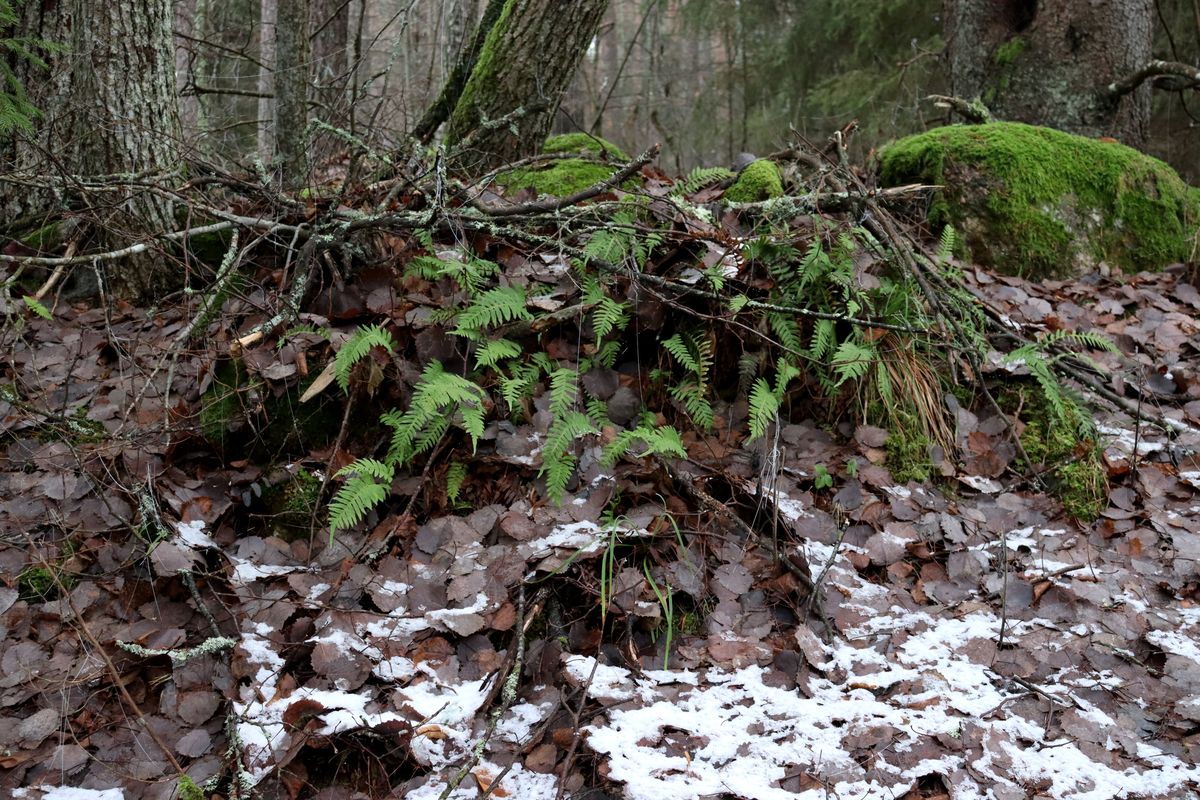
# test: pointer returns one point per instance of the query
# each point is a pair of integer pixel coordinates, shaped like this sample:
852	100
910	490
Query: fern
947	244
456	475
470	273
564	390
661	440
491	308
437	395
356	348
37	307
606	354
693	351
852	361
695	401
367	485
558	462
488	354
700	177
765	400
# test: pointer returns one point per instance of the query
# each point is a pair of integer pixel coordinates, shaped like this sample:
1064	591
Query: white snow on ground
747	735
67	793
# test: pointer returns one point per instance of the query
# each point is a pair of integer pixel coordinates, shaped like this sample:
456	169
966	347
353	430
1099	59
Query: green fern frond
700	177
490	353
786	330
852	361
558	462
492	308
356	348
564	390
366	486
946	245
608	315
436	396
823	339
694	401
456	475
606	355
661	440
764	409
37	307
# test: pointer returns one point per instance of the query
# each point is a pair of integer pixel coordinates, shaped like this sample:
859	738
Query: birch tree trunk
527	61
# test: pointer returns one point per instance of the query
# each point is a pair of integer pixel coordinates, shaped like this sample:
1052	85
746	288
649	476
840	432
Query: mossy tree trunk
526	63
1050	62
109	107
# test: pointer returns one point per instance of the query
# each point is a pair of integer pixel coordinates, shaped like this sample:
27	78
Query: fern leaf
456	475
851	361
493	307
490	353
700	177
764	409
356	348
366	487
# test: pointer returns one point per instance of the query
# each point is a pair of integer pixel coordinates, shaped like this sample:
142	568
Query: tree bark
525	64
109	107
330	39
439	111
1051	62
292	50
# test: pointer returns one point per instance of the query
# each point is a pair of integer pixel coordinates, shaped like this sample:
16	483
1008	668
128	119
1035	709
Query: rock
1041	203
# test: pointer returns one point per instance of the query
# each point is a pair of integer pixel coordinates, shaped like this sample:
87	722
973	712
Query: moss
186	789
1042	203
210	248
760	180
291	503
908	456
1071	464
36	584
221	411
570	175
1010	51
467	114
583	143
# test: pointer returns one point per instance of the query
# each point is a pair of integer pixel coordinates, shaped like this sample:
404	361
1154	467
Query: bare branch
1175	76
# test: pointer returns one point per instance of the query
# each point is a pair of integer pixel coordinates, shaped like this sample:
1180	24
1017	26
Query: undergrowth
864	346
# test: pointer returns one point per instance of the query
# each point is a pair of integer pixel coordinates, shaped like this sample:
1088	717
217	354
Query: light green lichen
760	180
1042	203
567	176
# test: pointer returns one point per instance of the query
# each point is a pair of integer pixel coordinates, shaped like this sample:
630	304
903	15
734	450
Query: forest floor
966	637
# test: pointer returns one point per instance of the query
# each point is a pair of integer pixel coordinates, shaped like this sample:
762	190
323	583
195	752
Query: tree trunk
109	107
1050	62
330	43
267	11
291	90
526	62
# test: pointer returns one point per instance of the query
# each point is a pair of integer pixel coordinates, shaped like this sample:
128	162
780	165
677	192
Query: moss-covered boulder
1041	203
569	175
760	180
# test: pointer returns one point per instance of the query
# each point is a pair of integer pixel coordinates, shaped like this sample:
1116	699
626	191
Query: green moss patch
1041	203
1069	462
566	176
760	180
292	502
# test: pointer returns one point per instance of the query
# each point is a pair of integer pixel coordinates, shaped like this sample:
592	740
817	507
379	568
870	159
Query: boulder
1041	203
